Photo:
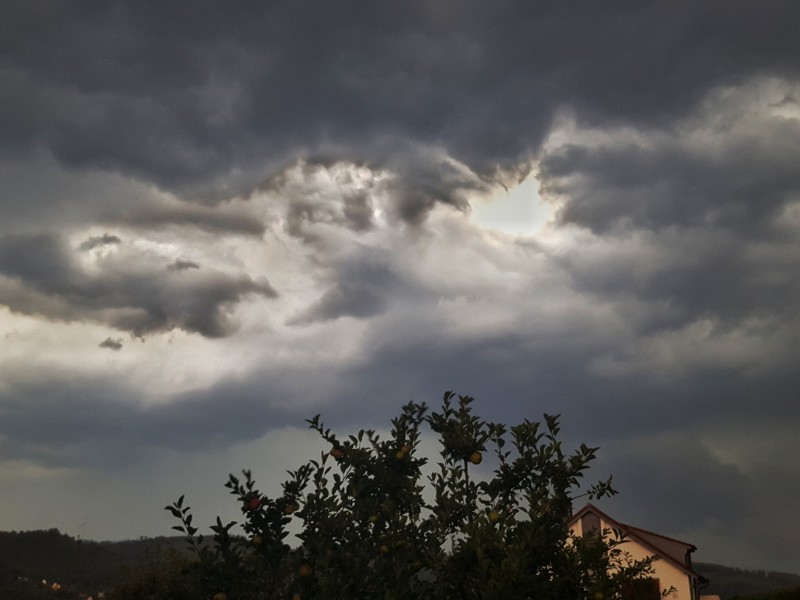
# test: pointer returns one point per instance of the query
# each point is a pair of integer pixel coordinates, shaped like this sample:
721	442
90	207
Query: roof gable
668	549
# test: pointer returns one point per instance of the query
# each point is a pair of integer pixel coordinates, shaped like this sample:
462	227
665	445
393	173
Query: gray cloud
324	194
722	168
363	285
59	419
111	344
674	278
127	293
693	490
696	223
222	219
40	194
182	265
106	239
207	109
729	497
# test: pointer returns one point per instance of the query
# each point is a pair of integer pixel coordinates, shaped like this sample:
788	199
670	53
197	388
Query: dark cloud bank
205	101
679	183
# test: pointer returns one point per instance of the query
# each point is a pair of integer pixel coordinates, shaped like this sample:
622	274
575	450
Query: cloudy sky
218	219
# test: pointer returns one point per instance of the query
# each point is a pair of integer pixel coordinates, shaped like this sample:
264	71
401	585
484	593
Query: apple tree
374	520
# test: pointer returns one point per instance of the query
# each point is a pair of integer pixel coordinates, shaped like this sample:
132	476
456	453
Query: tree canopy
375	520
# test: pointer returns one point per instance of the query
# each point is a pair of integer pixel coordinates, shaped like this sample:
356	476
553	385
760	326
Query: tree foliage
375	522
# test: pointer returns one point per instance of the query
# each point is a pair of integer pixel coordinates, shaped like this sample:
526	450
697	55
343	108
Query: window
647	588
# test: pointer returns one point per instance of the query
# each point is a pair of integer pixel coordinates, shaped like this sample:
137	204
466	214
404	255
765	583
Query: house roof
668	549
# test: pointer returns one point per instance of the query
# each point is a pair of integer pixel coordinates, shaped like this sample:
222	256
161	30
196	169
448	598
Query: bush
166	574
372	526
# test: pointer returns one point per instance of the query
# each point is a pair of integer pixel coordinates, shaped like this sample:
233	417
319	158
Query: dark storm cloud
425	177
364	285
111	344
323	192
60	419
102	240
37	193
220	219
726	176
674	482
205	103
680	277
787	100
40	260
535	369
132	293
698	220
182	265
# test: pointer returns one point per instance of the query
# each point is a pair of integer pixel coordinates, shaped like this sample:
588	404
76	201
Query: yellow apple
305	570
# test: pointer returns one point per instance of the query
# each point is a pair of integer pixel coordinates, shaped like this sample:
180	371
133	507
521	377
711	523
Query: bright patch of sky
517	211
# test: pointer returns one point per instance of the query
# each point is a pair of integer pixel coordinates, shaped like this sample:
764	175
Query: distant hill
790	594
84	567
29	558
732	583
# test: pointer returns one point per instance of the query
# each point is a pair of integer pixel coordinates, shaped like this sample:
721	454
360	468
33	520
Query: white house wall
667	574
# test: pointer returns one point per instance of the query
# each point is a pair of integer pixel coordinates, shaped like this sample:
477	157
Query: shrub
166	574
372	525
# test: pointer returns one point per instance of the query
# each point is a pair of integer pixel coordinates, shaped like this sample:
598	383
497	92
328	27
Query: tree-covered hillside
68	566
79	566
731	583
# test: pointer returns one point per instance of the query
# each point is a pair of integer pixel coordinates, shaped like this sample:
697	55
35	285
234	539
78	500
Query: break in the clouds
218	221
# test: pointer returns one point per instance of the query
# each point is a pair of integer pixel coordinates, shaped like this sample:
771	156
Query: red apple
252	503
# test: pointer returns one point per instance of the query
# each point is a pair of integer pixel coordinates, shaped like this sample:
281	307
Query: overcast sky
219	219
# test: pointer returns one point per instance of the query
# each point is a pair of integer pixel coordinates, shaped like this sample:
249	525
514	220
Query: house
673	569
